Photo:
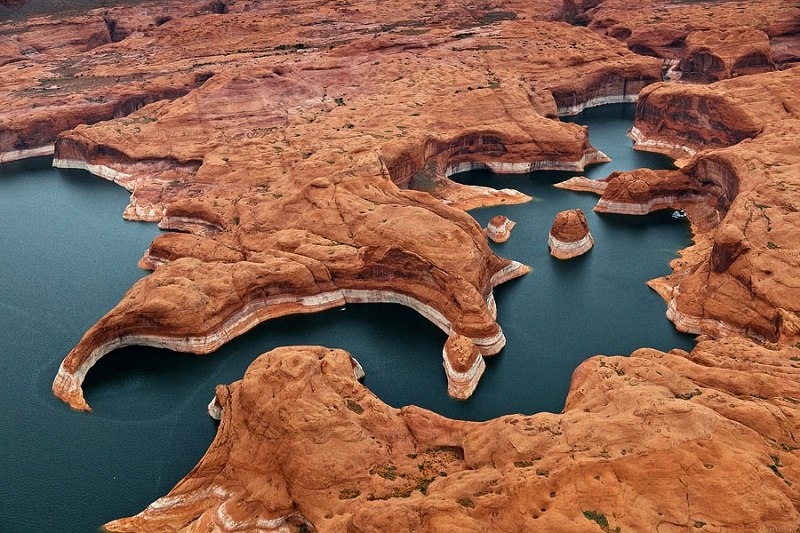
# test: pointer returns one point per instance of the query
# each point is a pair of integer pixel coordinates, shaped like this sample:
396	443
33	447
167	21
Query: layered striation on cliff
569	235
738	190
702	41
499	227
330	150
301	158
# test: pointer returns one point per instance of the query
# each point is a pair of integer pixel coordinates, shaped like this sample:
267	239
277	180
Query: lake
68	257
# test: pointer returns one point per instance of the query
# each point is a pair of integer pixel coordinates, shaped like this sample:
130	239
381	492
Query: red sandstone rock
569	235
306	175
738	200
499	228
582	184
306	152
463	366
639	438
712	55
662	29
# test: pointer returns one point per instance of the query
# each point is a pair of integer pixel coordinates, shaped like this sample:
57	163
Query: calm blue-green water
68	257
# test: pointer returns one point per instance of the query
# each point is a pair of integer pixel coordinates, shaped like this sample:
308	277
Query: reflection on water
68	257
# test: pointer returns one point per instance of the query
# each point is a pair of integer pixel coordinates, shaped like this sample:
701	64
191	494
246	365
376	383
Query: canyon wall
305	156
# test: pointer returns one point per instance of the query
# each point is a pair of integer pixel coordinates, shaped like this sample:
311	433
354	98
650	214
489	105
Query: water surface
69	257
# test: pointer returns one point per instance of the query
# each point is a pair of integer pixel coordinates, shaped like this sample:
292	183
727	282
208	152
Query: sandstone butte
569	235
299	156
499	227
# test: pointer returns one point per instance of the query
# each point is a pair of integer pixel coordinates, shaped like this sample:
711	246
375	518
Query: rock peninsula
302	156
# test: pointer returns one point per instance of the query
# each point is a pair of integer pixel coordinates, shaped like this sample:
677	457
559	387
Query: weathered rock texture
303	161
463	366
740	191
499	228
569	235
299	156
645	443
704	40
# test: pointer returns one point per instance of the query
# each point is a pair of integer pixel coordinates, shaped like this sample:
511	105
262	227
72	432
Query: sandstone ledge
499	228
463	366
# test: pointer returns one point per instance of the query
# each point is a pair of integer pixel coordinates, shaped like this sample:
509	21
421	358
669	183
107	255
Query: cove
68	257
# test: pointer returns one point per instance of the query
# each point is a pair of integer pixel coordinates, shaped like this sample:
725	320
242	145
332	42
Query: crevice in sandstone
116	32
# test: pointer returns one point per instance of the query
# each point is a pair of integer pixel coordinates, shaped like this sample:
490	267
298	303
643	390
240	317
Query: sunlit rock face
569	235
299	157
463	366
737	192
281	155
302	445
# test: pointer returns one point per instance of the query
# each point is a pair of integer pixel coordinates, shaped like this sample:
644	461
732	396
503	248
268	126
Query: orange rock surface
569	235
644	443
300	155
463	366
499	228
326	150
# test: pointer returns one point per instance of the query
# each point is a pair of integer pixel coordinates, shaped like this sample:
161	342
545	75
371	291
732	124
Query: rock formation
463	366
569	235
304	447
710	40
738	191
278	157
712	55
499	228
299	157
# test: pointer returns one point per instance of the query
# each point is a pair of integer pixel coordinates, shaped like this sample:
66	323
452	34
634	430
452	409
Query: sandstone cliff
310	156
300	158
645	443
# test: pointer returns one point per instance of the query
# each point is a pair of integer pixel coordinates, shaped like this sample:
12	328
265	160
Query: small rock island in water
298	155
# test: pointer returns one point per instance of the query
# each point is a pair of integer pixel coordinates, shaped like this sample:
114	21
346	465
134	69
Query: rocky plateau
300	156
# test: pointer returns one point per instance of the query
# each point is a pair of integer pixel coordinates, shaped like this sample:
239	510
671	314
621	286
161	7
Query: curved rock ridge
463	366
327	149
583	184
569	235
499	227
658	429
301	158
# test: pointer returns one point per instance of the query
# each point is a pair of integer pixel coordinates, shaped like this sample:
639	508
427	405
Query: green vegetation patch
601	520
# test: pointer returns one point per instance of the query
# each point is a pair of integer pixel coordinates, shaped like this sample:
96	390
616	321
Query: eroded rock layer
740	191
463	366
668	431
499	227
569	235
299	156
316	146
702	40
